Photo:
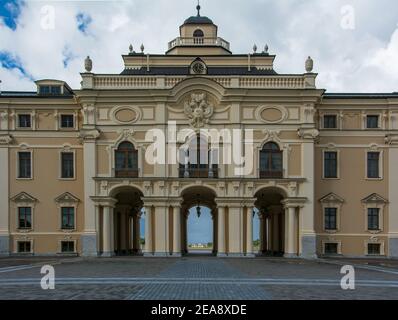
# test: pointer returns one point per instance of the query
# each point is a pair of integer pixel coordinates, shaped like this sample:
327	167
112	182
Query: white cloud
347	60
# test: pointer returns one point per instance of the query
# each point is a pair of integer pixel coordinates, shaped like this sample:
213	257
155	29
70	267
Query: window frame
74	218
325	209
135	152
380	165
18	177
378	242
19	127
73	152
324	116
378	121
18	227
279	152
67	128
337	164
67	253
339	247
16	248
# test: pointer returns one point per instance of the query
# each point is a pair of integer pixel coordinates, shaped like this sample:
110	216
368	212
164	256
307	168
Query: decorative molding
5	139
87	135
374	198
24	198
282	110
331	198
391	139
311	134
66	198
198	110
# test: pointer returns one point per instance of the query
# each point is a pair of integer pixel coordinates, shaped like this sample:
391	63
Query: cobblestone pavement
196	278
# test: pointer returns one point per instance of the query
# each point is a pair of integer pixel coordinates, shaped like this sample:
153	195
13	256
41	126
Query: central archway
127	238
199	226
271	221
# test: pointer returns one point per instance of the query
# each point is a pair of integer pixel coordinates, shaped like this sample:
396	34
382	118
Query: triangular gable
331	197
23	197
374	198
66	197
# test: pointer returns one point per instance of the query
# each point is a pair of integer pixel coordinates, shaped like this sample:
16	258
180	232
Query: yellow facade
198	84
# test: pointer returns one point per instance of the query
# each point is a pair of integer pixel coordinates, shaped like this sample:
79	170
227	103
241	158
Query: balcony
269	174
126	173
199	41
211	173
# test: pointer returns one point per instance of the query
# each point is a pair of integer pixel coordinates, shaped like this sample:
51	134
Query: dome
198	20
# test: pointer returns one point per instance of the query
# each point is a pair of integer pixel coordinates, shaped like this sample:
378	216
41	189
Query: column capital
5	139
104	201
294	202
89	135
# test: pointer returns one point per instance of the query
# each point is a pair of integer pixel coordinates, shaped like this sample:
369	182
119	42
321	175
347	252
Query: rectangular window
373	219
330	218
68	218
24	121
67	247
24	165
373	165
331	248
24	247
330	122
372	122
24	218
50	90
330	166
67	165
374	248
67	121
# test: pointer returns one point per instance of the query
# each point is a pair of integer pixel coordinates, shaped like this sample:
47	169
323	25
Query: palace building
76	177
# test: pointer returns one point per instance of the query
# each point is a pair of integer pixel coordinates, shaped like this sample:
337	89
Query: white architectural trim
28	150
374	148
331	149
66	149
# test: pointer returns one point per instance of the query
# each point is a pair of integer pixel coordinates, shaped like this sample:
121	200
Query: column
307	212
98	227
221	232
290	234
262	220
123	235
89	236
215	228
108	250
137	233
4	196
176	231
393	202
249	233
132	233
275	234
148	251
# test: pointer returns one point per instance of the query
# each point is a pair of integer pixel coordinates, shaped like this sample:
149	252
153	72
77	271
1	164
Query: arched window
198	36
197	160
126	161
271	164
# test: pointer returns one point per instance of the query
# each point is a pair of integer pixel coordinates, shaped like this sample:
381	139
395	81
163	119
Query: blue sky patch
83	22
10	62
68	56
10	11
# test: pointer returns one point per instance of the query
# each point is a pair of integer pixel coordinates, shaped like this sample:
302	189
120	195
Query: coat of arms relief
199	110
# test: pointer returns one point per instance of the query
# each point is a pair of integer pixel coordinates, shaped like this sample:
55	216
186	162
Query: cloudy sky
354	42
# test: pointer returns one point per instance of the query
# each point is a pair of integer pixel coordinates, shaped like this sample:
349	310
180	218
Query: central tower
198	35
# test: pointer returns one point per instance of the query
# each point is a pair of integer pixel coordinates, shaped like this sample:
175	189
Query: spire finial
198	7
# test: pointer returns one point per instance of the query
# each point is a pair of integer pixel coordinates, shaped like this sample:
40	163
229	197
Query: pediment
66	198
23	197
374	198
331	197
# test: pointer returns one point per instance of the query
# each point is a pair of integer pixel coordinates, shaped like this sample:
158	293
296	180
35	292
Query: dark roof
211	71
360	95
198	20
33	94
